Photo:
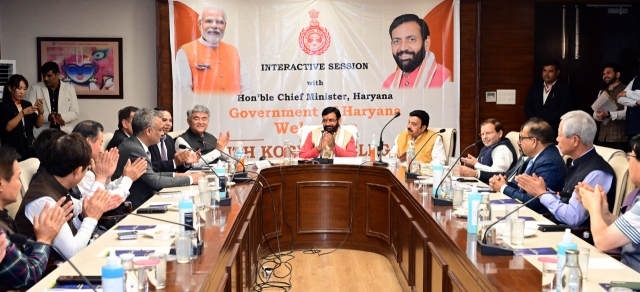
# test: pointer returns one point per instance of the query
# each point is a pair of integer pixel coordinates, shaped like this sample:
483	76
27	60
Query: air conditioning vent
7	68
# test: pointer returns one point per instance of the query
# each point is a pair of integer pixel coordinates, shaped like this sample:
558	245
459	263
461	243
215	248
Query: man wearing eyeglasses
544	160
207	64
330	140
498	154
575	139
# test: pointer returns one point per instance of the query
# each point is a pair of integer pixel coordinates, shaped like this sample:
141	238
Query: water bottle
286	153
438	171
113	275
410	156
130	277
571	273
185	211
484	214
240	157
563	246
473	202
372	149
222	181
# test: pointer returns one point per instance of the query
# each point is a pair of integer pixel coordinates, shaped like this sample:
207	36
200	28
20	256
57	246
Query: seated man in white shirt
67	161
103	164
431	152
497	155
197	138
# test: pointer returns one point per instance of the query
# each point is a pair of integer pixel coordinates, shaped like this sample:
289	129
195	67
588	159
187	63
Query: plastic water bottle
566	244
438	172
473	202
240	156
222	181
286	153
410	156
372	149
113	275
185	211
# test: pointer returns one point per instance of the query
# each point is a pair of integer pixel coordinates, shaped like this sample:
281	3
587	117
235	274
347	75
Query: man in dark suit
163	155
124	131
147	129
550	99
536	141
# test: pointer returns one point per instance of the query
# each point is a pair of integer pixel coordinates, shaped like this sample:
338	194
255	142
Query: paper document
605	104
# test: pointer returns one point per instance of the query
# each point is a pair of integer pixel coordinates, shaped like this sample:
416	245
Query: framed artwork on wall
92	65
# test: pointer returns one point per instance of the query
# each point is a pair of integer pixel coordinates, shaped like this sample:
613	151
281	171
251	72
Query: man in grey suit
147	129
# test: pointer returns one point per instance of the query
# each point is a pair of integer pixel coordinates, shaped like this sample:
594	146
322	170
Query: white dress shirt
632	97
68	244
502	159
119	187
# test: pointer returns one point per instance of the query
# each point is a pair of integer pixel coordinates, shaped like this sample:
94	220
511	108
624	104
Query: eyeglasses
324	121
521	138
629	157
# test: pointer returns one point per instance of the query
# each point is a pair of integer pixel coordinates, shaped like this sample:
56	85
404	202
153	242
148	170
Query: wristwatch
608	114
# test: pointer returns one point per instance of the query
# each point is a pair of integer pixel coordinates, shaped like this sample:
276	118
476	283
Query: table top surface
218	223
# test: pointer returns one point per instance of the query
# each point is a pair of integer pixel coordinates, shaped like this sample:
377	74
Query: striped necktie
163	149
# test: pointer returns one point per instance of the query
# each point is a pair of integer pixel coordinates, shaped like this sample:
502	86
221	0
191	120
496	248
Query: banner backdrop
278	64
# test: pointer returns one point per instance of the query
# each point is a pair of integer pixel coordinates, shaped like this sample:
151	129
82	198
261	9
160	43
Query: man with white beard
207	64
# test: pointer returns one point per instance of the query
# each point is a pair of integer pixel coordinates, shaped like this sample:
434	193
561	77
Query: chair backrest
27	169
621	169
608	153
449	140
513	136
304	131
106	139
175	134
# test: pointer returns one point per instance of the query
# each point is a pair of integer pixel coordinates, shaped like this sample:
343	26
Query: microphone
444	202
493	248
22	240
381	144
409	174
182	146
237	176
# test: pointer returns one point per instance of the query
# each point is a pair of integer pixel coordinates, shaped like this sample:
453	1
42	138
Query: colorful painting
92	65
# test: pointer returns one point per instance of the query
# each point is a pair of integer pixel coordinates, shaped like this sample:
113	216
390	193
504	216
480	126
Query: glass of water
393	158
183	246
583	261
549	271
517	231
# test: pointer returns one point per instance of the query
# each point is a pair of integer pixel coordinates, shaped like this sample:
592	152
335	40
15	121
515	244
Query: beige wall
21	21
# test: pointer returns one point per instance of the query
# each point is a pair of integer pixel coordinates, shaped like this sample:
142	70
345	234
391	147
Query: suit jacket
118	137
156	157
67	103
150	182
548	165
559	102
517	169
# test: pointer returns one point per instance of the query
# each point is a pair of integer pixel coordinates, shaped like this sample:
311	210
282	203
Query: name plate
348	160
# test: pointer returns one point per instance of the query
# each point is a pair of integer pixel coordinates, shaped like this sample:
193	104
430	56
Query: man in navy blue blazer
536	141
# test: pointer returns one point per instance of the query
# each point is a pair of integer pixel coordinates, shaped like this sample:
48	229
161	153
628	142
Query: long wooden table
319	206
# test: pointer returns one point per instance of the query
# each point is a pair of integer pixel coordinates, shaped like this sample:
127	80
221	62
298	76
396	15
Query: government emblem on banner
314	39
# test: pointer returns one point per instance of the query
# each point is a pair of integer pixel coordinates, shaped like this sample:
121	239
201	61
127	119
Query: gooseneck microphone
409	174
182	146
381	144
22	240
445	203
495	249
237	176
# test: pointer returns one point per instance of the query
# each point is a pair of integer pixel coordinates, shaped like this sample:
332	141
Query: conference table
373	209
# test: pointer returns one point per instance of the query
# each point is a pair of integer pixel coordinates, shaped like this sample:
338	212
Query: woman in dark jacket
18	117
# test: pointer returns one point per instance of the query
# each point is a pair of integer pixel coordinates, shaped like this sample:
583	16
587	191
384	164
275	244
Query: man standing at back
549	99
60	100
611	132
147	130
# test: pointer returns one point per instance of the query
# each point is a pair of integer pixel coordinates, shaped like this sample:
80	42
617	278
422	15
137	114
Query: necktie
529	166
148	155
163	149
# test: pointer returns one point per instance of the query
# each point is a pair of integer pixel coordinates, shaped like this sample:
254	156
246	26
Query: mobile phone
466	179
63	280
127	235
151	210
552	228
